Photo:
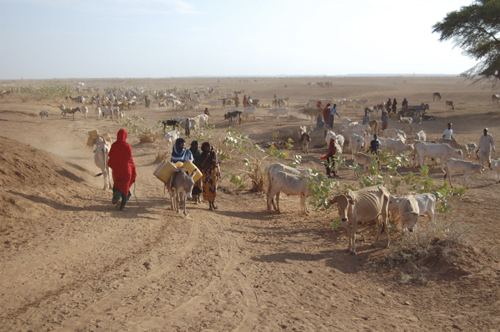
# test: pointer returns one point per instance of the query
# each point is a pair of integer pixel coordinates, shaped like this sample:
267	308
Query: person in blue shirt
180	153
333	112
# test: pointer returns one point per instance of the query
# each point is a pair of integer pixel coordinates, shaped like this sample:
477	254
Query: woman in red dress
121	162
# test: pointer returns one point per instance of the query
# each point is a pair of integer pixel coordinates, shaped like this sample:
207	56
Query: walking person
394	105
124	173
374	148
330	159
333	112
180	153
211	174
326	114
374	145
197	189
404	105
388	105
486	144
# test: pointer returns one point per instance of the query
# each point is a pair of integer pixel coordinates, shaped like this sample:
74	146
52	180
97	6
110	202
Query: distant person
124	173
448	133
394	106
330	159
486	144
388	105
374	145
245	101
333	113
180	153
206	112
195	151
404	104
326	114
209	166
236	100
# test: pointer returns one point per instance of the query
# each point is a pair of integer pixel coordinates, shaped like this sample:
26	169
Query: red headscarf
121	162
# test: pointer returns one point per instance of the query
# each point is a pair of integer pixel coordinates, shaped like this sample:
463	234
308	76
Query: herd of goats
354	207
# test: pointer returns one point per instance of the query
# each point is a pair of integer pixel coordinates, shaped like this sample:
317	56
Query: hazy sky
165	38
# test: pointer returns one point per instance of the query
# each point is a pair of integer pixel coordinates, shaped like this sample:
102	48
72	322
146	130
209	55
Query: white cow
455	166
405	210
101	152
441	151
357	143
360	206
426	205
203	120
289	181
394	145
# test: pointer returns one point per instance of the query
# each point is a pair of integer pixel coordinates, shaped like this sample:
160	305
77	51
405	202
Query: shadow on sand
133	209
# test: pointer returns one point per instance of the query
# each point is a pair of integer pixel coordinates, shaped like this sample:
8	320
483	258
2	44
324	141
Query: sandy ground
70	261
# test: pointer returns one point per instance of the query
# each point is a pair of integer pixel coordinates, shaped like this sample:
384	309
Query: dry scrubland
70	261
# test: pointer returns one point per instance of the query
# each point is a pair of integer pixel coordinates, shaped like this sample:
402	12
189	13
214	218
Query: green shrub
320	190
273	151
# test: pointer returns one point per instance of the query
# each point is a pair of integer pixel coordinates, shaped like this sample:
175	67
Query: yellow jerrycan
164	171
190	168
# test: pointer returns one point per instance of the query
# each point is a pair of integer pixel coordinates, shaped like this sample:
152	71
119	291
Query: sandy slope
69	261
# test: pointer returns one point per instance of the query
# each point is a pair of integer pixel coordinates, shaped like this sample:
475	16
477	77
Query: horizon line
360	75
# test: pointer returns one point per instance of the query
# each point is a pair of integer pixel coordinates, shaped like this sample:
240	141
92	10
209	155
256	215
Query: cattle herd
351	138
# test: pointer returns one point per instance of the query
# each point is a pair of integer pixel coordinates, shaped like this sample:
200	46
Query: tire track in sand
113	299
228	295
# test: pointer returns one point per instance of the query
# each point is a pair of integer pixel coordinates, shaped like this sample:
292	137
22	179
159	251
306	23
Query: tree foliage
476	29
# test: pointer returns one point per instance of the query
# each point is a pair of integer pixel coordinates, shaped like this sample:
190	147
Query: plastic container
164	171
191	169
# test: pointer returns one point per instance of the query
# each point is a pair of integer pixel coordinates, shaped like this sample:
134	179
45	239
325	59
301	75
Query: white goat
421	136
